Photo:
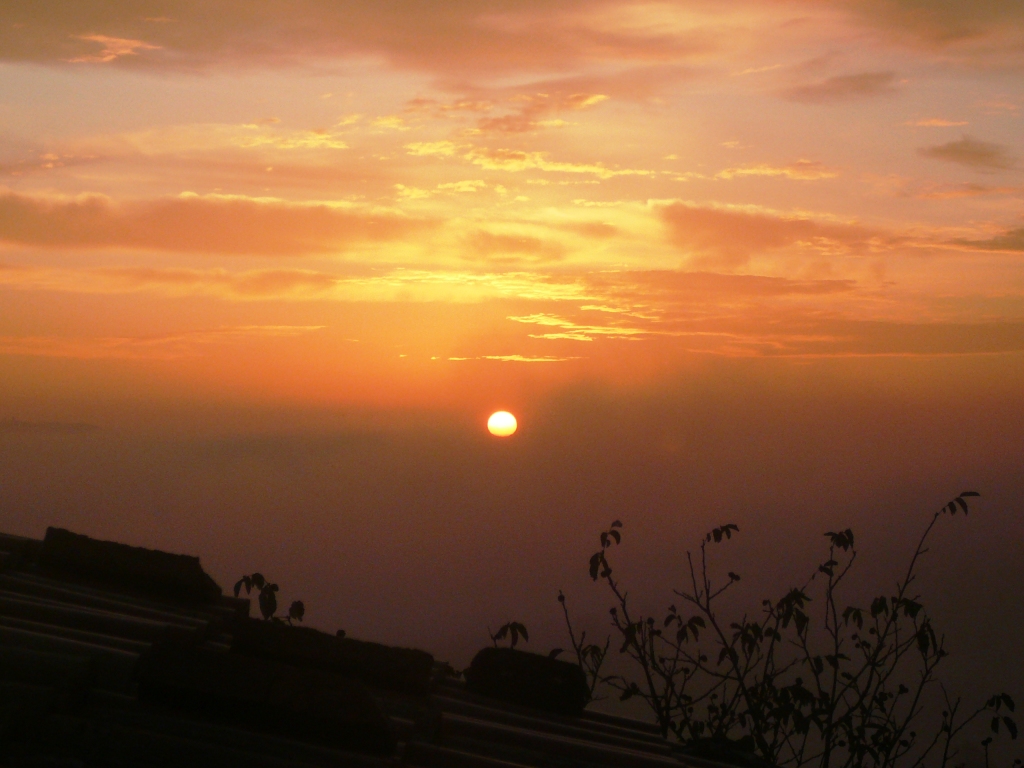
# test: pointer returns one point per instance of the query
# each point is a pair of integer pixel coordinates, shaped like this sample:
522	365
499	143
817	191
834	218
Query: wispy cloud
517	160
1011	241
518	358
505	247
843	88
730	236
530	111
974	153
191	223
801	170
934	122
157	347
113	48
571	331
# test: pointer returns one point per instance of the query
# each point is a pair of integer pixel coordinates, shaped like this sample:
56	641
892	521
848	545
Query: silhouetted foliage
513	630
791	685
268	598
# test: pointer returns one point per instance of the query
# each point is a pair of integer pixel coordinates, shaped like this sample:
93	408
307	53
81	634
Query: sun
502	424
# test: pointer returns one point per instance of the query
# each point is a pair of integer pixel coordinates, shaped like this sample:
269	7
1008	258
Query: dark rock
265	696
528	679
133	569
398	669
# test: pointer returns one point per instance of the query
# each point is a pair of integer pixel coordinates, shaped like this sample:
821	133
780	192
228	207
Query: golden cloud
195	224
801	170
731	236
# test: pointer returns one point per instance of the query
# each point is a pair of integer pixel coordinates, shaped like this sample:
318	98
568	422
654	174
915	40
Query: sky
265	270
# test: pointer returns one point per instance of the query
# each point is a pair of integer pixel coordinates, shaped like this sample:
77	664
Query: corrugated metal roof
95	671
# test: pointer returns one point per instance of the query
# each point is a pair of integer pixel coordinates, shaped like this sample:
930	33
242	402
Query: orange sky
689	240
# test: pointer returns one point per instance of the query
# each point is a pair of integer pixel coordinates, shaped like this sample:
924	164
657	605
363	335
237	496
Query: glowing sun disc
502	424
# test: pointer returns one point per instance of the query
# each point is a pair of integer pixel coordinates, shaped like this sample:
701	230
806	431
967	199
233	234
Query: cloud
731	236
1011	240
479	37
468	185
570	331
981	32
531	108
981	155
598	230
960	191
515	160
518	358
801	170
113	49
194	224
263	283
392	122
169	346
711	286
843	88
431	148
935	122
511	248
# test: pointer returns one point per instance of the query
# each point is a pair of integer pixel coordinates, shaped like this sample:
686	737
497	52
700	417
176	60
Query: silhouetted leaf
1007	701
618	523
615	535
911	608
268	603
595	564
855	615
257	580
970	493
238	586
800	620
522	630
1011	727
879	606
297	610
553	653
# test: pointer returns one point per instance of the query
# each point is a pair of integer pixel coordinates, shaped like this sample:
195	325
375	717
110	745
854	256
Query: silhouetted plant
268	598
590	658
513	630
847	687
